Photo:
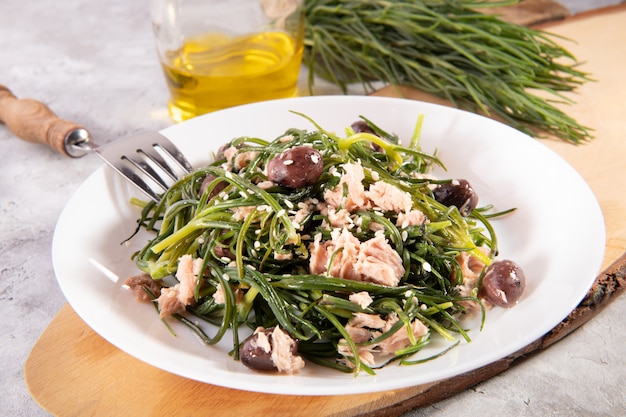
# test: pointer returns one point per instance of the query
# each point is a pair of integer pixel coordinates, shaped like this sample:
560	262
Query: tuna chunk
365	353
137	284
378	262
176	298
388	197
411	218
220	296
350	193
342	267
364	320
363	327
169	303
339	218
282	352
271	350
371	261
242	212
363	299
470	270
400	339
352	179
238	160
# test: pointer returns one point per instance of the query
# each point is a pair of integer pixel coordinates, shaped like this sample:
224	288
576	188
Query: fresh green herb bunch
446	47
262	261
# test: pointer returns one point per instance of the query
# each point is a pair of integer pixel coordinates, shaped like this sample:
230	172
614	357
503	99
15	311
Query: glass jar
223	53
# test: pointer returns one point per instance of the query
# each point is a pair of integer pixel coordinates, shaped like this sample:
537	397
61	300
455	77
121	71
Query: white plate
557	235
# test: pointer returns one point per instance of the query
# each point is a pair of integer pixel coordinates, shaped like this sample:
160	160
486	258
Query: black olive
216	190
503	283
361	126
224	252
255	356
296	167
457	193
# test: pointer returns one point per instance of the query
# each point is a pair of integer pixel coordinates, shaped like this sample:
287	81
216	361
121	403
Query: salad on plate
337	250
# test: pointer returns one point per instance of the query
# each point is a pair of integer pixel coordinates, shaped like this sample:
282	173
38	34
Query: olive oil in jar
216	71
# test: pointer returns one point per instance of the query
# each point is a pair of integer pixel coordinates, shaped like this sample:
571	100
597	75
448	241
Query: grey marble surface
94	63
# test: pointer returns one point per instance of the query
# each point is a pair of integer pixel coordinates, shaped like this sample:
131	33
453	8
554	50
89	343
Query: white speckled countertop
94	63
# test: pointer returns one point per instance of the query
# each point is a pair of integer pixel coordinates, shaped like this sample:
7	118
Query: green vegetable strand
477	61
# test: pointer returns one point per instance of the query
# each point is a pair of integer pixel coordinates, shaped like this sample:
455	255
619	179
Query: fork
149	160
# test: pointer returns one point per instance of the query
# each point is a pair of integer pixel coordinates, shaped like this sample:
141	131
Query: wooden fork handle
33	121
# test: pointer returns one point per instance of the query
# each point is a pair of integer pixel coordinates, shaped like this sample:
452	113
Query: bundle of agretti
446	47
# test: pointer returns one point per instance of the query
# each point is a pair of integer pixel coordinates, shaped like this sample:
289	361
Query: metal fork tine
149	171
158	160
138	182
173	151
147	160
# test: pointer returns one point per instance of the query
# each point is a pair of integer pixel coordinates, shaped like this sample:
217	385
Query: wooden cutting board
72	371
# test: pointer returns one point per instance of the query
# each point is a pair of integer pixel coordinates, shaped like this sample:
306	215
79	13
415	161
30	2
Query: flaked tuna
378	262
411	218
238	160
388	197
243	212
344	256
282	352
339	218
363	299
347	248
470	271
350	194
138	284
178	297
352	180
364	327
401	338
364	320
220	296
271	350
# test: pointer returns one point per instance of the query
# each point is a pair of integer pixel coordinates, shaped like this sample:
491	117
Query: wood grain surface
72	371
33	121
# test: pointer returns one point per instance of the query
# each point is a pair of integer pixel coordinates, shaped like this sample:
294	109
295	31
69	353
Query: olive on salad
457	193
